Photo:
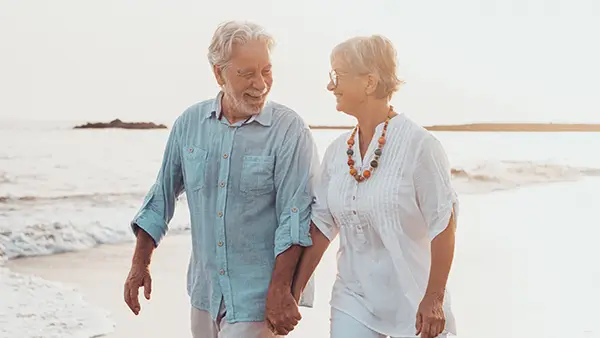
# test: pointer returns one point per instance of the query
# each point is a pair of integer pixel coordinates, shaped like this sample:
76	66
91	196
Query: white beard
239	105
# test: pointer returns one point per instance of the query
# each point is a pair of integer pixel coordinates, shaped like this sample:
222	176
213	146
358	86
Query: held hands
431	320
139	276
281	313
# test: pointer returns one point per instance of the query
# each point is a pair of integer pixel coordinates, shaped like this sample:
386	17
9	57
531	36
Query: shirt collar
265	117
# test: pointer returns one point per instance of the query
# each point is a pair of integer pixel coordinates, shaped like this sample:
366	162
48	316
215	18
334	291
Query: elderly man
246	166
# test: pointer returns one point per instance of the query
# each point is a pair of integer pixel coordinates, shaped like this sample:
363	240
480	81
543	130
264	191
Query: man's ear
218	71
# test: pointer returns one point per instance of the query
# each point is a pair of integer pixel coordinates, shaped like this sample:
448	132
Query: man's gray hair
234	32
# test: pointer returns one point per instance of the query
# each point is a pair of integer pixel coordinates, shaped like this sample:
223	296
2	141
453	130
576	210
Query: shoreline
496	127
100	272
505	266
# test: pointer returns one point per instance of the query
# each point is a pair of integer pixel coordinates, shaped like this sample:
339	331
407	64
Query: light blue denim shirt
249	191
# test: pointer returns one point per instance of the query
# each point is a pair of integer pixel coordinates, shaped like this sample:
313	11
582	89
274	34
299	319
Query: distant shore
118	124
471	127
500	127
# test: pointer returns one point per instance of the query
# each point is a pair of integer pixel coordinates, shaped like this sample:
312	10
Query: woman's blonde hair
373	54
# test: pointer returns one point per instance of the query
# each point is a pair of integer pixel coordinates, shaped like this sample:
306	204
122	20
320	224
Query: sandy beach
524	273
99	274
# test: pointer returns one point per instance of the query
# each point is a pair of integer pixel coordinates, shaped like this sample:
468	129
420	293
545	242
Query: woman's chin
342	109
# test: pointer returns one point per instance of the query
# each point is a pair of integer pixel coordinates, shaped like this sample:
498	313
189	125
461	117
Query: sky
145	60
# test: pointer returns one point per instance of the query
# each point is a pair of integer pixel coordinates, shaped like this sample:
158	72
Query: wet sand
99	274
525	266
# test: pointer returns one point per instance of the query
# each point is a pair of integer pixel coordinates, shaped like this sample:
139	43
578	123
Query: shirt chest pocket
194	167
257	175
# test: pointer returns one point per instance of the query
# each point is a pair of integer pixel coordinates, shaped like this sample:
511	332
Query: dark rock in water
123	125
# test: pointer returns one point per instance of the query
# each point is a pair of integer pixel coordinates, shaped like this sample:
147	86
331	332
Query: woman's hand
431	320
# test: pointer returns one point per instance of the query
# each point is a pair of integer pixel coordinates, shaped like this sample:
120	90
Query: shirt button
353	197
191	150
222	184
354	212
220	214
220	244
222	272
225	156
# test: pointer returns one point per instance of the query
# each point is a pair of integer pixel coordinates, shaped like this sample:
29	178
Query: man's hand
281	313
431	320
139	276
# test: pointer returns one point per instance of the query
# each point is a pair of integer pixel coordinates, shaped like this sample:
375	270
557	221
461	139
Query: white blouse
386	224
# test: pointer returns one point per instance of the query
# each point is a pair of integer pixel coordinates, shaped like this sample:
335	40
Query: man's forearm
144	247
285	265
309	260
442	255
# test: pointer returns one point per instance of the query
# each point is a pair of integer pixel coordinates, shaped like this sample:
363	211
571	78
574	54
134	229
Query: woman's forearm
311	256
442	255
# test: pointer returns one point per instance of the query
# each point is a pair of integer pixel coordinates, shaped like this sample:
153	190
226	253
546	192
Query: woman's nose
330	86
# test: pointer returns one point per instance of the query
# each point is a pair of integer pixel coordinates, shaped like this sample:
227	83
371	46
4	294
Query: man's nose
259	83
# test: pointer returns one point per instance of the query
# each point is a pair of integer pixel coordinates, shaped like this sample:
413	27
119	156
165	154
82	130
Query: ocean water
67	190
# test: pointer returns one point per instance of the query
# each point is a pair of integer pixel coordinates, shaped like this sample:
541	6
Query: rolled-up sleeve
321	216
159	205
436	197
295	168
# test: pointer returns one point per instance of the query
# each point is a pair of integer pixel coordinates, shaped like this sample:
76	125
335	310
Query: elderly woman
385	188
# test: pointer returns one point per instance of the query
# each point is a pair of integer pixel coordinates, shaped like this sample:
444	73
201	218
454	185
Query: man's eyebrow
245	70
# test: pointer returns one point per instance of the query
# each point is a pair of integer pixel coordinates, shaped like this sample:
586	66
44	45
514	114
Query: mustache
255	92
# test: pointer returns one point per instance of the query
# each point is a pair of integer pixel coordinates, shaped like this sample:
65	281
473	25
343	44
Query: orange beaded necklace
375	162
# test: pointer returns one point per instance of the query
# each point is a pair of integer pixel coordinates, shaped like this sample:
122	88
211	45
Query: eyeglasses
334	77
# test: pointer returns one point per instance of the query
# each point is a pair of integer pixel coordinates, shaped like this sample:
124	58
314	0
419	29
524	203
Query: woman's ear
371	85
